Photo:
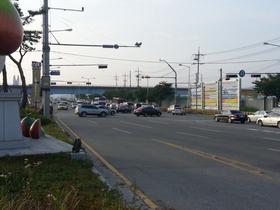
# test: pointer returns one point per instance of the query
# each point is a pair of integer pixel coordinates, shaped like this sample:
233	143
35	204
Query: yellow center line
237	164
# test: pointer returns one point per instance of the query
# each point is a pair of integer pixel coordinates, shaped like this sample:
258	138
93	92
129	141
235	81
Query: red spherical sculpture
11	31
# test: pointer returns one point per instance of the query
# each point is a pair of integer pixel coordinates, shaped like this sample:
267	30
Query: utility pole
130	79
197	58
138	78
46	61
124	80
220	97
116	78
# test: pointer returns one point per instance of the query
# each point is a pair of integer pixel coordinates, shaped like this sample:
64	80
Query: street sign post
242	73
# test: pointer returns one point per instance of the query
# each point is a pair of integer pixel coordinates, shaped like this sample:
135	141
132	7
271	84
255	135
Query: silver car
271	119
178	110
87	109
258	114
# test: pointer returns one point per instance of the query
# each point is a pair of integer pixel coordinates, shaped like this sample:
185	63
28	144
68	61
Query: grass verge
54	182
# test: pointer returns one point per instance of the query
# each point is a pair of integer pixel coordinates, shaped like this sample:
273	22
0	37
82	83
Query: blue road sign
55	73
241	73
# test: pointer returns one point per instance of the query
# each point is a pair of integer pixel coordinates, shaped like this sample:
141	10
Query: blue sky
229	34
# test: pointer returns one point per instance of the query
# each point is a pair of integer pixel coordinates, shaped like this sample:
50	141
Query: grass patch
54	181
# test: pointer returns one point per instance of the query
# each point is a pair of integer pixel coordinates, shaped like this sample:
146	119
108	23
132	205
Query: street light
51	32
276	45
175	79
189	94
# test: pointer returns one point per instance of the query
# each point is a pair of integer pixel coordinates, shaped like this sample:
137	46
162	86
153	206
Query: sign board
69	83
53	83
46	81
36	70
241	73
55	73
36	65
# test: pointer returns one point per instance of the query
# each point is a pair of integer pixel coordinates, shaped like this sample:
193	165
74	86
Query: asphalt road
188	162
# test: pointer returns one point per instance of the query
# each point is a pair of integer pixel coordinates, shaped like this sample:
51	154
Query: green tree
161	92
140	94
30	38
268	86
92	96
109	94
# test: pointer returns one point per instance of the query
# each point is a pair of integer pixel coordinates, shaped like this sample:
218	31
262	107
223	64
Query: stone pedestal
10	129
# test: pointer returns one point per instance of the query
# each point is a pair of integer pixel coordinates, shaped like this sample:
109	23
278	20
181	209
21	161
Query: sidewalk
44	145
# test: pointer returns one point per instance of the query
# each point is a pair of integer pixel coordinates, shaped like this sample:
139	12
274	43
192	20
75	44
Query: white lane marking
205	137
271	139
122	130
267	131
136	124
206	129
252	129
92	122
158	122
276	150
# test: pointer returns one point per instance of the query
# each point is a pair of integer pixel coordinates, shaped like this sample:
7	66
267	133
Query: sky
228	34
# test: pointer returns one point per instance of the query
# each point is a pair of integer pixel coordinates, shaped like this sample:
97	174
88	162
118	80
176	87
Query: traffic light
255	75
102	66
228	76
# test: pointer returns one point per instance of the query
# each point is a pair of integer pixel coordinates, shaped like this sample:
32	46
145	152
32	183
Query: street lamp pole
175	79
189	94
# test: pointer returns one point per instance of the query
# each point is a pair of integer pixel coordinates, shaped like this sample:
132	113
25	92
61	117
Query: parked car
87	109
171	108
230	116
123	109
178	110
62	106
253	117
145	111
271	119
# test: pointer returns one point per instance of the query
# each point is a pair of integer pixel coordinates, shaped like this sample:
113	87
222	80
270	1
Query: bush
35	115
249	109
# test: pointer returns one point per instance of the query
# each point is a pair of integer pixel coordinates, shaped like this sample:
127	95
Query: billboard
207	95
231	95
196	96
211	96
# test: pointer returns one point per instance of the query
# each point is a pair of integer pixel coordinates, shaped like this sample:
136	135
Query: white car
271	119
171	108
178	110
258	114
155	107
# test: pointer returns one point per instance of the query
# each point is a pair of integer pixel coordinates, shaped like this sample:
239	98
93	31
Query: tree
30	38
140	94
161	92
269	86
109	94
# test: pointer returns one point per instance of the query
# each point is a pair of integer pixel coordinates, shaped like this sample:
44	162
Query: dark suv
123	109
86	109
